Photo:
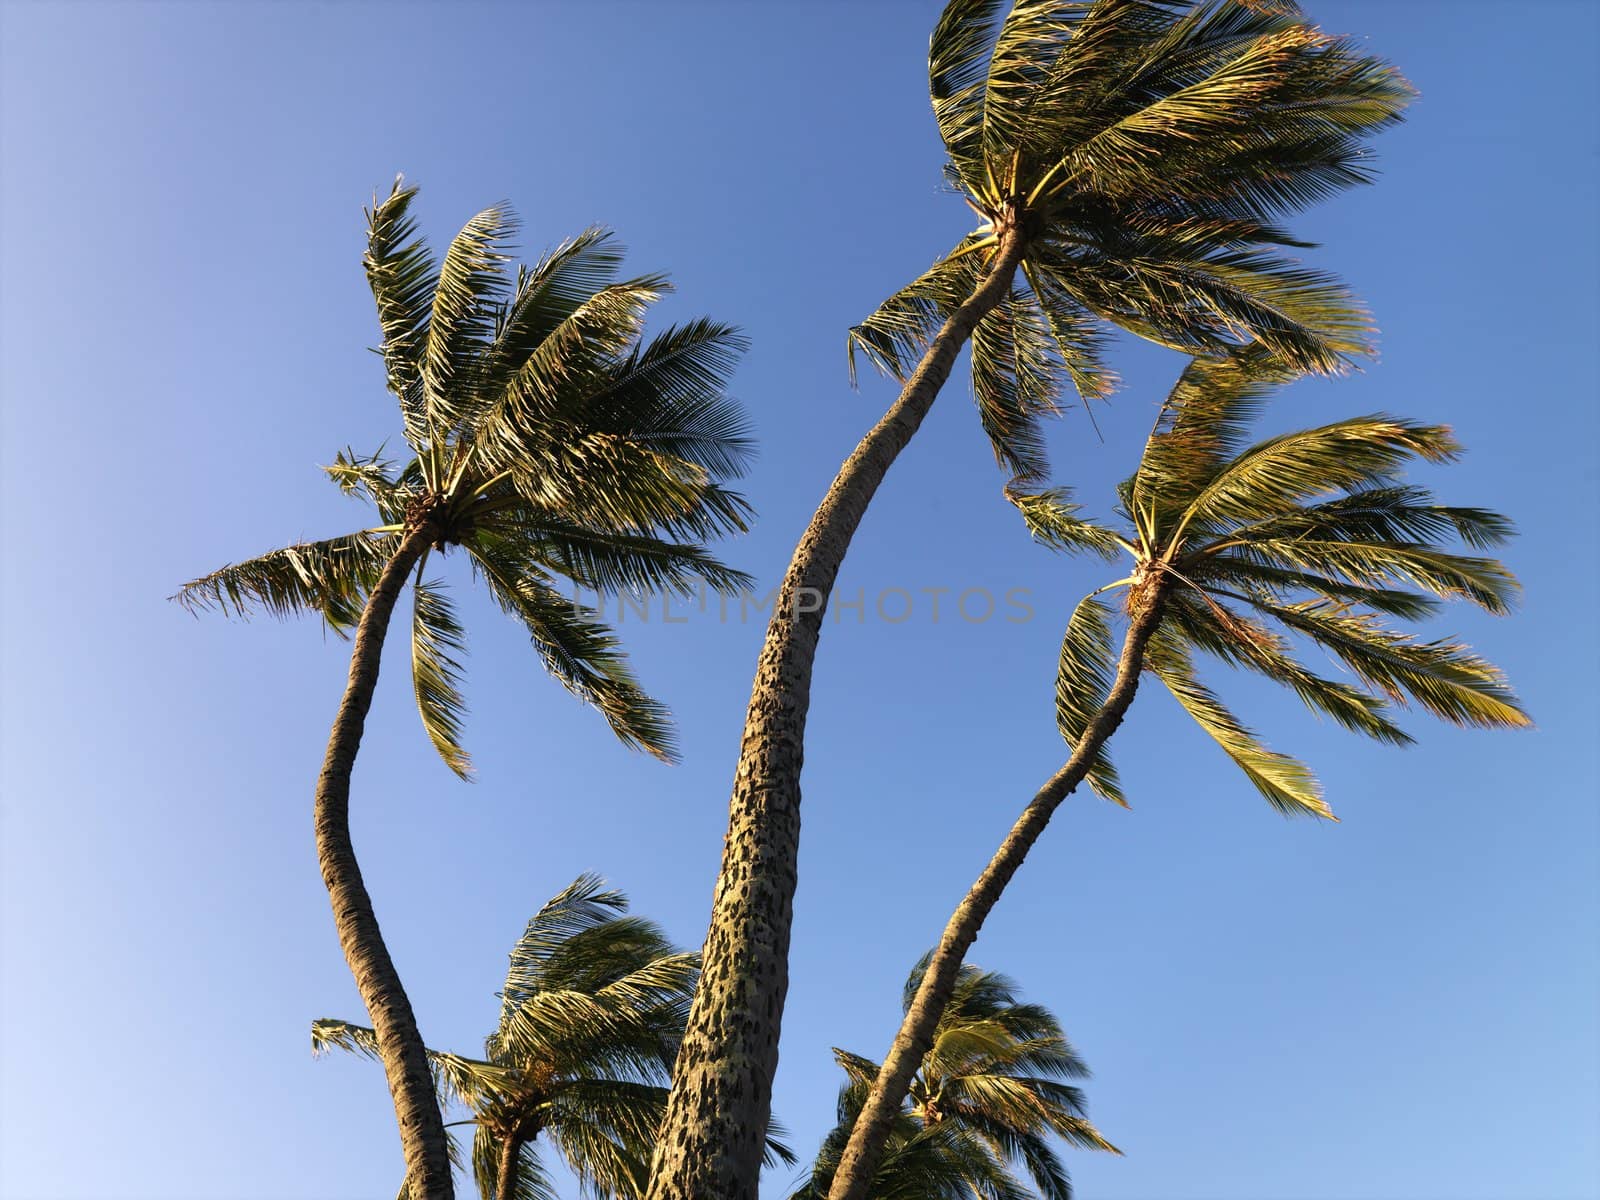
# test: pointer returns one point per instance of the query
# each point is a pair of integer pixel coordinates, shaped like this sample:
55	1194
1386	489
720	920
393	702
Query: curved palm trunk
400	1046
711	1139
863	1152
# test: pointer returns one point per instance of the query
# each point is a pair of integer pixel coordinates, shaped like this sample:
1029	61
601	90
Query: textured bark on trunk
505	1182
864	1151
712	1135
400	1046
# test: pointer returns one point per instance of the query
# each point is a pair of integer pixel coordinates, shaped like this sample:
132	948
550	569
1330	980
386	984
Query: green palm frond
1483	581
1385	514
401	272
1014	373
437	641
580	651
1442	676
897	333
584	904
958	73
467	1080
611	563
374	479
1286	783
544	297
1278	474
1052	518
330	577
467	298
1202	425
667	394
1083	680
1216	629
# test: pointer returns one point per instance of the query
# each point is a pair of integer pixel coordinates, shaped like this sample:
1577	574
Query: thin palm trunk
863	1152
711	1140
505	1183
400	1046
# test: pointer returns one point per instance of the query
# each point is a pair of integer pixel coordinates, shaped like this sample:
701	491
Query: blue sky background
1400	1007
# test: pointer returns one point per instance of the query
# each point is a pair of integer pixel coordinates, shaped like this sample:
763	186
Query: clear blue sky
1400	1007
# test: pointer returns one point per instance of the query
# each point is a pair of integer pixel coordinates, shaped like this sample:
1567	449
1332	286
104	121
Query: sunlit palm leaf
1287	784
330	577
437	642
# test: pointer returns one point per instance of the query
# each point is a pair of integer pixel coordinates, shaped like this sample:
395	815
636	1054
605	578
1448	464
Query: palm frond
580	651
1213	627
465	1079
1277	474
437	641
402	275
1053	519
1014	373
330	577
958	69
1442	676
466	300
1083	681
1287	785
895	336
583	904
544	297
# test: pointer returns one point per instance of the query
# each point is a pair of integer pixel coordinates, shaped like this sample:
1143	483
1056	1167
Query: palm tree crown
989	1095
1239	549
590	1020
549	442
1141	151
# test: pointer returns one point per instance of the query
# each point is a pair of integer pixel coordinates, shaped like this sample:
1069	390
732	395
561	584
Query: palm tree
989	1095
549	443
590	1020
1126	161
1236	550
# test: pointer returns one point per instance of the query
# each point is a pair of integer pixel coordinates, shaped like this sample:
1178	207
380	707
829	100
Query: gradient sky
1399	1007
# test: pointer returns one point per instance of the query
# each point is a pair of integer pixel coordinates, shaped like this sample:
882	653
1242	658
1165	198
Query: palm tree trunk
712	1135
863	1152
505	1180
400	1046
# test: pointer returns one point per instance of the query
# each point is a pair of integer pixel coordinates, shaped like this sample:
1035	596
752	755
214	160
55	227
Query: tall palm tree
990	1094
550	442
1238	551
590	1020
1126	161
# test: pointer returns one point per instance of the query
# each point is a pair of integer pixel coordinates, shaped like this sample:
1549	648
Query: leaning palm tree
1238	552
1126	161
590	1020
549	443
991	1093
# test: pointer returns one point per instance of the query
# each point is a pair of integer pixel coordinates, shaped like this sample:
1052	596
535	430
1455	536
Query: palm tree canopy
1145	150
548	439
996	1085
591	1015
1310	537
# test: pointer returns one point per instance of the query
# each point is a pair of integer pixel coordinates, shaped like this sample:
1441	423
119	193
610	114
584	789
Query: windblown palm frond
591	1016
1144	148
989	1099
1250	551
551	441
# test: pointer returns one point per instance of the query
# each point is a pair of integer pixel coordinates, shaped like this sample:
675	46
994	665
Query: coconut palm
990	1095
1126	161
1240	553
590	1020
549	443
